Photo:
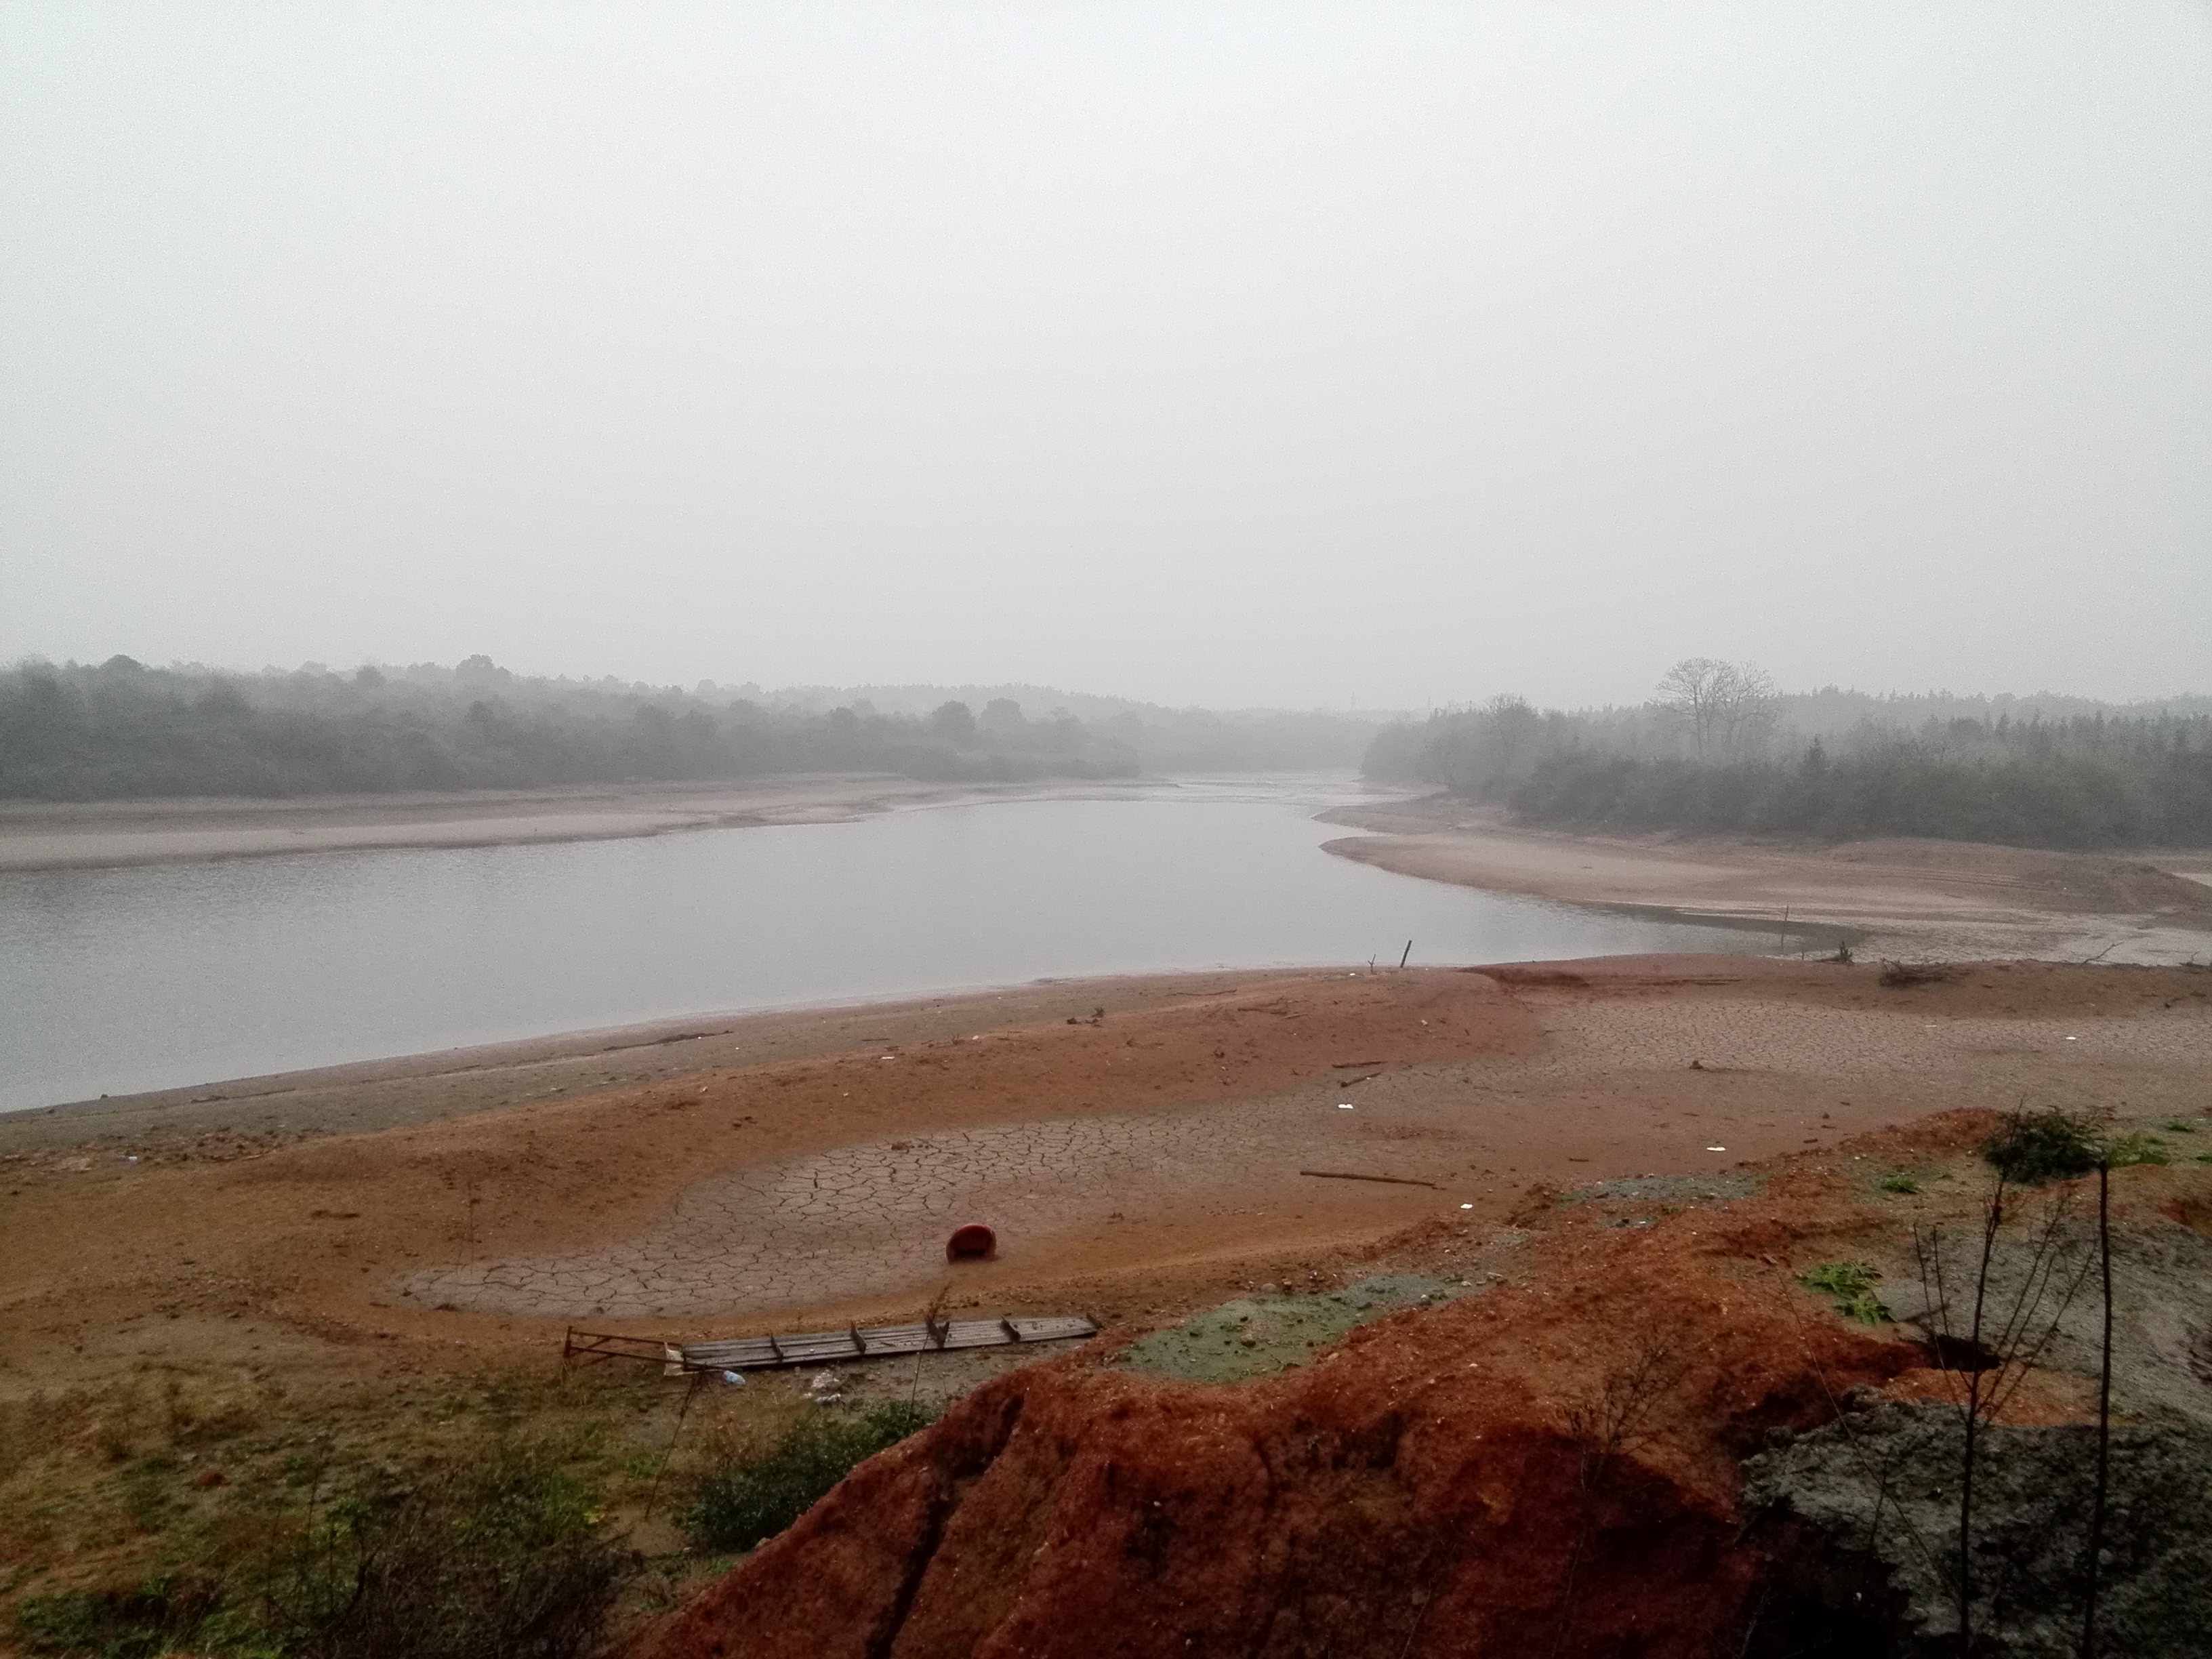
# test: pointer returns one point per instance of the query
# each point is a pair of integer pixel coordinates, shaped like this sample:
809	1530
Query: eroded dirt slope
1549	1467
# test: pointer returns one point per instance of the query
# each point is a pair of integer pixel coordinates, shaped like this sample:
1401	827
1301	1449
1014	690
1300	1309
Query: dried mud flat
1153	1150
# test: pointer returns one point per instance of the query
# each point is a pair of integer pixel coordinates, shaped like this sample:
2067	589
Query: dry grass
101	1488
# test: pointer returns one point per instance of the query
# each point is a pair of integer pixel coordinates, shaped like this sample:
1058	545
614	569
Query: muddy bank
1950	900
380	1094
1141	1155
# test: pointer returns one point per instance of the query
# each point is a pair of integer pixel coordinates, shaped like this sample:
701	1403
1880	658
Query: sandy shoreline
105	834
1951	901
381	1093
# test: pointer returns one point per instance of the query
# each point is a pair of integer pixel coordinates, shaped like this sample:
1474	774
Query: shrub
753	1500
2031	1148
1850	1284
501	1559
157	1618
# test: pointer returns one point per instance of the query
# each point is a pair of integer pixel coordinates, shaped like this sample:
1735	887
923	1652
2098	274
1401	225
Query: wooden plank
822	1347
1053	1330
590	1346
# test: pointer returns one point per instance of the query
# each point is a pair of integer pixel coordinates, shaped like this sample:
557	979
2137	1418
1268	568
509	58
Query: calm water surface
116	980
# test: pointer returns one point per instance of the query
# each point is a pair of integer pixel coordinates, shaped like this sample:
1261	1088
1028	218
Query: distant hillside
78	731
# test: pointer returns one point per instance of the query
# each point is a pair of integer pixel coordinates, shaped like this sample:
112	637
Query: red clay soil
1549	1469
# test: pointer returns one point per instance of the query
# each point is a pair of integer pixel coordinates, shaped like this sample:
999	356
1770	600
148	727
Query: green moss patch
1680	1191
1256	1335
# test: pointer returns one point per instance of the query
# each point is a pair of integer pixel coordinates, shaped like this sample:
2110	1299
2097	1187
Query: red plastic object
972	1242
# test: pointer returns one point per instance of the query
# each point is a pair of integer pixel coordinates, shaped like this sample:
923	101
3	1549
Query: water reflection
114	981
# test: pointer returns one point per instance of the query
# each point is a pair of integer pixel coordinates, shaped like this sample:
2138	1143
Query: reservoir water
121	980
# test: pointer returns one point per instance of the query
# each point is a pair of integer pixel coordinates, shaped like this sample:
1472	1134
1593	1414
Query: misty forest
1719	752
120	730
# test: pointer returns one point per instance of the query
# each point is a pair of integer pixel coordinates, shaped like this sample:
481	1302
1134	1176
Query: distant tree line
116	730
1719	752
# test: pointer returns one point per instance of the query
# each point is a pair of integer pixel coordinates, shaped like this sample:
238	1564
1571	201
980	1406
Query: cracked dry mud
873	1218
870	1217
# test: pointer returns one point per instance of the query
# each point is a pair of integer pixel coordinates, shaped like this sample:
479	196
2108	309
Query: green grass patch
160	1615
752	1500
2139	1148
1899	1182
1849	1285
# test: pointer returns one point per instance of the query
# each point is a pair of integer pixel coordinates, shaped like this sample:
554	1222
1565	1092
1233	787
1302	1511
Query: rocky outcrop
1862	1519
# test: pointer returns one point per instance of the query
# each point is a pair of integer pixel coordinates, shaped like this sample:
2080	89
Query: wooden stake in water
1406	952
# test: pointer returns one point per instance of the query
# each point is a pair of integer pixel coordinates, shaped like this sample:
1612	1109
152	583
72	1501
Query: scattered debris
1897	976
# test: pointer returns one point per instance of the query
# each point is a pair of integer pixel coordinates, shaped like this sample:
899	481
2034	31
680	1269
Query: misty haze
1468	749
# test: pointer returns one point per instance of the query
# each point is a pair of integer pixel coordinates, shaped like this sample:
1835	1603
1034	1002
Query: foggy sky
1221	353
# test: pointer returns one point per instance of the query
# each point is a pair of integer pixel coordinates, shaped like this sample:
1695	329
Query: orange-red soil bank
1551	1466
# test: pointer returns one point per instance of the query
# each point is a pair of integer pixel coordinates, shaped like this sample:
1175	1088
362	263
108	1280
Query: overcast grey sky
1201	352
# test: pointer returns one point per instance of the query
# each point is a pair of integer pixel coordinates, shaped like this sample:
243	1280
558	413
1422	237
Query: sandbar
1952	900
97	834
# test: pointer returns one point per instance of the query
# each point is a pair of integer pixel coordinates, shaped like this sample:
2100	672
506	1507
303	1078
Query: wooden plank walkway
876	1342
753	1353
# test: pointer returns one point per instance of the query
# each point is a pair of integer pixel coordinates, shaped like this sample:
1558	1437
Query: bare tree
1483	749
1728	707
